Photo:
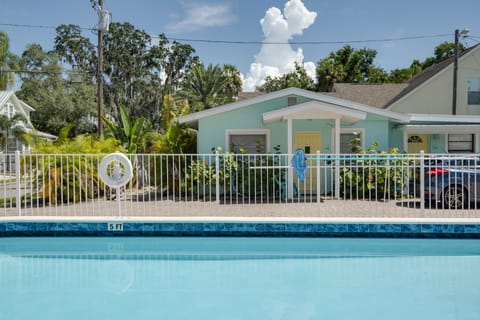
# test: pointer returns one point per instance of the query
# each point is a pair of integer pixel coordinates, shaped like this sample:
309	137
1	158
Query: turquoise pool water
238	278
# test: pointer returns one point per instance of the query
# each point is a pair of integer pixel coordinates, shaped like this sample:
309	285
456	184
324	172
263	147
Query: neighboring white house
10	105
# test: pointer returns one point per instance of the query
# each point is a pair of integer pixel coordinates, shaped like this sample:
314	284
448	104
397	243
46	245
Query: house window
461	143
9	111
415	139
12	144
248	142
346	138
474	91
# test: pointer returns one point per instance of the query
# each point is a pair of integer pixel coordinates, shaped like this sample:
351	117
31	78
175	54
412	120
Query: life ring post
115	170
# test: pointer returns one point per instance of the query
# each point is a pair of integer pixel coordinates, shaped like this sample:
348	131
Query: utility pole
103	22
455	73
455	68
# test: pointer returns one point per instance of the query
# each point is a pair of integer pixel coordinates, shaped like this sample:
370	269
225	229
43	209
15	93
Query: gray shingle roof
247	95
375	95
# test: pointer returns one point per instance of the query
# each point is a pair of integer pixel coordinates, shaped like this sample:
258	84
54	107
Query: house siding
431	98
468	68
434	98
278	135
212	129
396	137
376	130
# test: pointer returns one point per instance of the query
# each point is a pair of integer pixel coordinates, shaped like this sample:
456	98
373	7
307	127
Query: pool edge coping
241	227
187	219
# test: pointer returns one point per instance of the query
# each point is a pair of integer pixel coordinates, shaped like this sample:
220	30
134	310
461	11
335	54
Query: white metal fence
227	185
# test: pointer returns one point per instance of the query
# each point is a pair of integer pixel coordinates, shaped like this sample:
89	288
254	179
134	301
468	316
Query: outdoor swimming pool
238	278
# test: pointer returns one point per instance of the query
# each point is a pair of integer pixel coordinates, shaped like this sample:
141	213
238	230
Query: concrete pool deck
331	218
167	208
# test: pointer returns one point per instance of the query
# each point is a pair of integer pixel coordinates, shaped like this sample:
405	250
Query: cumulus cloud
277	59
200	16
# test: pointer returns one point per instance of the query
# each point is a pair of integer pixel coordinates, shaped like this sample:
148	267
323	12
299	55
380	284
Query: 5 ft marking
115	226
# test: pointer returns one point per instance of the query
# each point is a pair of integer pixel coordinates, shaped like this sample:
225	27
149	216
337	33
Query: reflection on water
116	276
117	273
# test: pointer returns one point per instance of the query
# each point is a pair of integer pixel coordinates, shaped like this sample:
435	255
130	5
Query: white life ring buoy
115	170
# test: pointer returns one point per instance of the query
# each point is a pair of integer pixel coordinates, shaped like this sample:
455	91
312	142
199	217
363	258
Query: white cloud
200	16
311	69
277	59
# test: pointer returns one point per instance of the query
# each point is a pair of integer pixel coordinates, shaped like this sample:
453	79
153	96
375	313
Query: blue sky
329	21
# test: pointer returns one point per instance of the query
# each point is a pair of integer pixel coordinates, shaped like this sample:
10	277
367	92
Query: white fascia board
319	97
4	97
440	129
41	134
238	105
19	106
444	118
26	105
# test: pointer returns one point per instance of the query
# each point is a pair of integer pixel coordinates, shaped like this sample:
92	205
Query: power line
72	72
37	26
236	42
314	42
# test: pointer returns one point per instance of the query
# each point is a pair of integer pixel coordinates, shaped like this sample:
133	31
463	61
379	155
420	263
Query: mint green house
413	116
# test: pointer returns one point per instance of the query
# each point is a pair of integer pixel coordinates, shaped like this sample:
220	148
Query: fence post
422	181
217	177
318	177
119	206
18	200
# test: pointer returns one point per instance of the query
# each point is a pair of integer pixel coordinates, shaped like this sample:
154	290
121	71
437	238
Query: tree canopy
211	86
58	101
297	78
138	72
349	65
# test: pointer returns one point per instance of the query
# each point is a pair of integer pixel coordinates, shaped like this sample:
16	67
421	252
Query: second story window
473	97
9	110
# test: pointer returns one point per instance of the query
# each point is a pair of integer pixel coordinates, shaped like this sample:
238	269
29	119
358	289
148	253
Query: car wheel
454	197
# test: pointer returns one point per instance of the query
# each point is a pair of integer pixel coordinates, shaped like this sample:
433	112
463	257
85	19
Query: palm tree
8	63
211	86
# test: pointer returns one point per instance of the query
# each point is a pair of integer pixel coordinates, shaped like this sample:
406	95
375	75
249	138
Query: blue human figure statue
299	163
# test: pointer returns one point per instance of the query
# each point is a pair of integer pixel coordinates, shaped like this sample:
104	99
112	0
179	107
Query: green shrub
373	174
67	168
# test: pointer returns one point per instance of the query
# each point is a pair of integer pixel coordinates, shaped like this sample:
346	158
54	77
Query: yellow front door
417	142
310	142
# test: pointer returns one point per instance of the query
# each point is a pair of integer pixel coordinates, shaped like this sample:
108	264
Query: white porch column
405	140
290	152
337	155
